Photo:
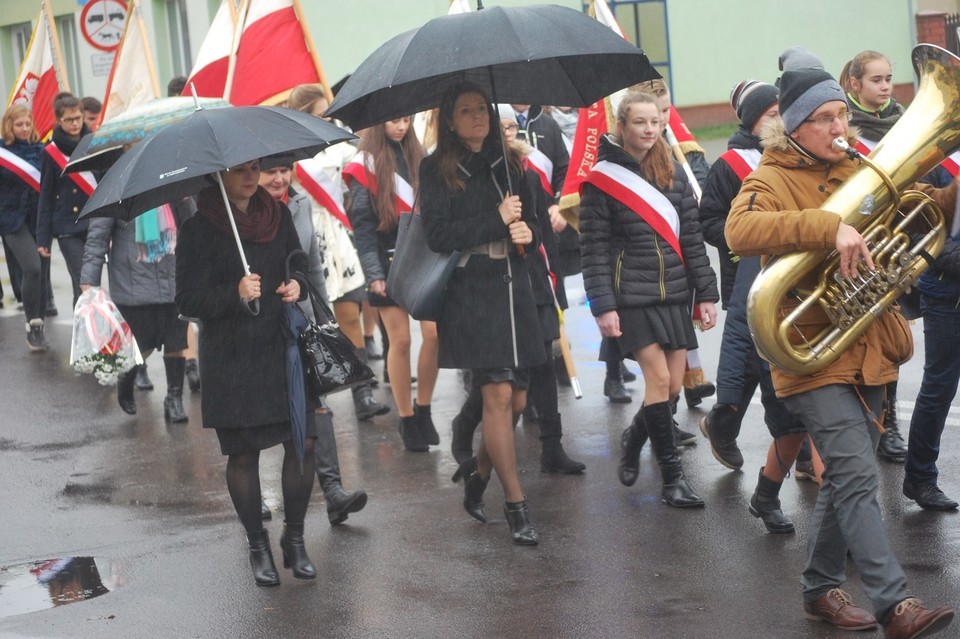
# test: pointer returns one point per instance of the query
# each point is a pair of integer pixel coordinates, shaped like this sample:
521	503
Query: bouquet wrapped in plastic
102	341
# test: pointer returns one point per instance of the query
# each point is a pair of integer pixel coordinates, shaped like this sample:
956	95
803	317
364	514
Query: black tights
243	483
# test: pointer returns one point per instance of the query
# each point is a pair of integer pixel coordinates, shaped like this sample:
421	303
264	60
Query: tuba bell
875	201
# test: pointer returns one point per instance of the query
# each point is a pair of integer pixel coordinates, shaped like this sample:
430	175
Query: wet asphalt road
79	477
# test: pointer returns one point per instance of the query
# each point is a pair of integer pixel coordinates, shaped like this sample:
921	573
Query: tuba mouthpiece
839	144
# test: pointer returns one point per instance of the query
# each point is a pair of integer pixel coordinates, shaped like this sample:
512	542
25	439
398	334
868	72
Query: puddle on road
39	585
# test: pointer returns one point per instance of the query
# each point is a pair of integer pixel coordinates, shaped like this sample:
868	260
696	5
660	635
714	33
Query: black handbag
418	276
330	360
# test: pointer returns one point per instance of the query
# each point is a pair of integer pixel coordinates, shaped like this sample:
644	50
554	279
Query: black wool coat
61	200
475	328
719	189
625	263
242	356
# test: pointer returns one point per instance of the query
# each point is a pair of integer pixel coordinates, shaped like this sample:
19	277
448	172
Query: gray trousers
847	514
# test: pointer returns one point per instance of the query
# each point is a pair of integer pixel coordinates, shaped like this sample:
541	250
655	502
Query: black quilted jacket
626	264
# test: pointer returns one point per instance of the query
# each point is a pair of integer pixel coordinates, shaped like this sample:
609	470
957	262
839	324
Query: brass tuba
873	201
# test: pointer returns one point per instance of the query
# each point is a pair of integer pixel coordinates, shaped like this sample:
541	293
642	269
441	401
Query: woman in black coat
643	260
489	317
245	395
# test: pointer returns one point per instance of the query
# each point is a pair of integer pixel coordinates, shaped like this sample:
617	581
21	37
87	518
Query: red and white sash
21	168
742	161
540	164
641	197
83	179
951	163
360	168
318	184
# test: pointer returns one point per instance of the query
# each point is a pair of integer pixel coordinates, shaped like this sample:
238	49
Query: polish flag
133	77
273	54
36	84
459	6
593	121
209	74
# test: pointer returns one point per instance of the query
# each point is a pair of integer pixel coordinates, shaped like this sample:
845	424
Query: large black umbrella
187	156
538	54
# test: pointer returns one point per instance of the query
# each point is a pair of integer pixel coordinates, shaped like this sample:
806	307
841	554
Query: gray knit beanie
804	91
796	58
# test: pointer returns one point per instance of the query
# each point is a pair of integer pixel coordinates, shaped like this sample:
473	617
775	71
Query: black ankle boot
340	503
473	488
521	526
425	423
765	504
676	492
892	448
553	459
192	372
265	513
410	433
261	559
631	443
125	396
364	405
173	403
614	390
143	382
295	552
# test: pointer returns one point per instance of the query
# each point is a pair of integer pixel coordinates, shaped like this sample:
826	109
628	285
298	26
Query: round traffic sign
102	23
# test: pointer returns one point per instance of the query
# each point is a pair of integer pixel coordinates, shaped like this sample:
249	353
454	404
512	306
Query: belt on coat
495	250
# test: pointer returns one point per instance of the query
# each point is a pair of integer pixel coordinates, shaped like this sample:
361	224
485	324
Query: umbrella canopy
100	149
176	161
539	54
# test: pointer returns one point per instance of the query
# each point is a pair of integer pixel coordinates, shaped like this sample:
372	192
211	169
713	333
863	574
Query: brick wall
932	27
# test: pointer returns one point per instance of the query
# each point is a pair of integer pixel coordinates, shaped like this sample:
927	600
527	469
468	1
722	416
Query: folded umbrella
538	54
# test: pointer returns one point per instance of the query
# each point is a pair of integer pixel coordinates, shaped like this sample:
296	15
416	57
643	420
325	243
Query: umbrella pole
503	138
253	307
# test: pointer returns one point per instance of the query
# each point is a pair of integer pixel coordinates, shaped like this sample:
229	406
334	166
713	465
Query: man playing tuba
778	211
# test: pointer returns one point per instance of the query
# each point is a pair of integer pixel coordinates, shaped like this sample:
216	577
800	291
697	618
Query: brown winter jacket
776	212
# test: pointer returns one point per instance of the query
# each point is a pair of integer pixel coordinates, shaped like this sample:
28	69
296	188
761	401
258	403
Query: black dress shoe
928	495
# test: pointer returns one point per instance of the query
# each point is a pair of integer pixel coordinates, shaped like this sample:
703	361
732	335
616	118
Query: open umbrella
187	156
538	54
100	149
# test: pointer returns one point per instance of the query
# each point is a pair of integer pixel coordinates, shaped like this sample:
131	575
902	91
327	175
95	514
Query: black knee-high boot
676	492
173	403
340	503
631	443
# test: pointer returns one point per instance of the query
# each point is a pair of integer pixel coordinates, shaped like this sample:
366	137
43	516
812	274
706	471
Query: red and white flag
273	53
209	74
133	77
592	122
36	84
459	6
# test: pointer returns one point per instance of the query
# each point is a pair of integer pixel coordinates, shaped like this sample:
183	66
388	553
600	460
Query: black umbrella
539	54
187	156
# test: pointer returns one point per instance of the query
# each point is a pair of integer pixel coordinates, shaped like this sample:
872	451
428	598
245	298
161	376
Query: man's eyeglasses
824	121
72	120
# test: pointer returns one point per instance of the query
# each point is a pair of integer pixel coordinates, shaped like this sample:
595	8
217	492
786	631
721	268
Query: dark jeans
941	371
22	246
71	246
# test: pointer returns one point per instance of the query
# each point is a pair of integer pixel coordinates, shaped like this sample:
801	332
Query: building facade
702	47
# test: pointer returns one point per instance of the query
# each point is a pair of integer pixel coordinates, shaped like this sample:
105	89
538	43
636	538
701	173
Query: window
67	28
20	38
181	60
644	22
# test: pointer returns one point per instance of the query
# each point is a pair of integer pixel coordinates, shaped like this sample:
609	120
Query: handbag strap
320	310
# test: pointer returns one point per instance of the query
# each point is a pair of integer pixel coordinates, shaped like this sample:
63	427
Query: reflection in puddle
54	582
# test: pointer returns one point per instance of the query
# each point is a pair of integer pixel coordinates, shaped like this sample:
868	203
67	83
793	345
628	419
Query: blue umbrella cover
294	324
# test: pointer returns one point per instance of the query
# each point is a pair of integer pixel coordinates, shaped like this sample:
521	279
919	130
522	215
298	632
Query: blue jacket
61	200
17	198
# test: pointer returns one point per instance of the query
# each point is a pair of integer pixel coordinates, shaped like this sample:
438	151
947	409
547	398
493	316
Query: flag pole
148	55
237	31
313	50
59	66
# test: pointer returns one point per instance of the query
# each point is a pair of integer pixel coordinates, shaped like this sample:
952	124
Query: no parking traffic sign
102	22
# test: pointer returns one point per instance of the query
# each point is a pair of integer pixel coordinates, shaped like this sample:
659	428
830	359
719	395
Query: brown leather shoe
911	620
837	609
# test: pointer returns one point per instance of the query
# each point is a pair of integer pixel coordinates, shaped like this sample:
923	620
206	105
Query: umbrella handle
253	306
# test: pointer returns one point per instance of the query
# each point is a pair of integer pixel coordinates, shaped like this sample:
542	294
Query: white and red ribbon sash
21	168
318	184
537	161
83	179
951	163
360	168
641	197
864	146
742	161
